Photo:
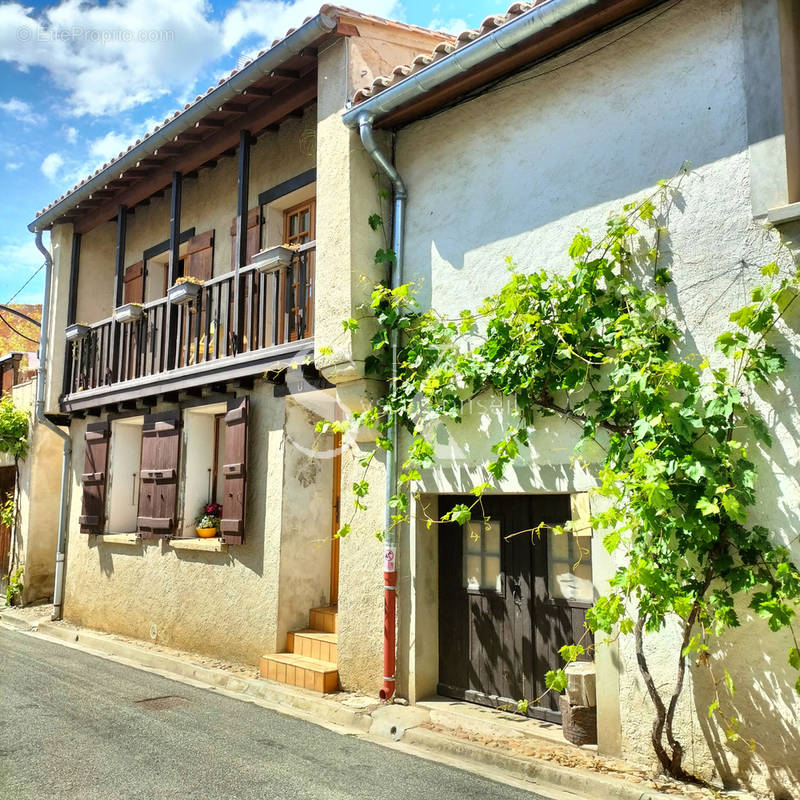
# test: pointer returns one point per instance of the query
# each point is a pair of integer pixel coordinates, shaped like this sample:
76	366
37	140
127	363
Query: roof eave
306	35
400	100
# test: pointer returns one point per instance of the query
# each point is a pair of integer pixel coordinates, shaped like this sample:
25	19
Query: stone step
295	670
313	644
323	619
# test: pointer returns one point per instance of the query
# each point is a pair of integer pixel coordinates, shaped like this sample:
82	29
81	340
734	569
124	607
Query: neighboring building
213	396
32	482
510	155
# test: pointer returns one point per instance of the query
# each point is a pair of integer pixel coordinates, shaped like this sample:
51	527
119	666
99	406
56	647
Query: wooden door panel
495	646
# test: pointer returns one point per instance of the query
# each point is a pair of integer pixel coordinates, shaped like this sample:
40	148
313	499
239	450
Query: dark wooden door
500	628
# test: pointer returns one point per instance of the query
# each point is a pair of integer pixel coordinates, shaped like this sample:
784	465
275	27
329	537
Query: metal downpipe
41	375
390	542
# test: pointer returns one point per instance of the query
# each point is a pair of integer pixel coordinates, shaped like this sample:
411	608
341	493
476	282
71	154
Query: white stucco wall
227	604
516	173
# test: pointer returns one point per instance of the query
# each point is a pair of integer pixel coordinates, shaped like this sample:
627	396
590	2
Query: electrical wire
506	81
26	283
19	333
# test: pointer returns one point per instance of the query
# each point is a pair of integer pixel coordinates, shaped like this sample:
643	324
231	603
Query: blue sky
80	80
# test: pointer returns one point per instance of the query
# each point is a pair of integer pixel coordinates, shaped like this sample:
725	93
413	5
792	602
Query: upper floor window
299	223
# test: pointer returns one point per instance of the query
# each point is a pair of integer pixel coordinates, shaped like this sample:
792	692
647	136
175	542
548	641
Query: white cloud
454	25
19	258
51	165
115	56
71	134
12	166
20	110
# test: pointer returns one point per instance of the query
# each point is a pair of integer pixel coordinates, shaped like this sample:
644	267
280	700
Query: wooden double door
503	615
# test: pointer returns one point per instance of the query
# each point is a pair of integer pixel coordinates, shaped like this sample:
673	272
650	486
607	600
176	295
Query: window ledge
118	538
214	545
783	214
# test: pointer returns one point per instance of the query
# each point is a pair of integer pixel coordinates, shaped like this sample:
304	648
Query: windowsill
784	214
214	545
118	538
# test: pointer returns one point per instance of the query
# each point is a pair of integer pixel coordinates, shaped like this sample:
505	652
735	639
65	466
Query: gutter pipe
468	57
390	542
303	37
41	375
363	117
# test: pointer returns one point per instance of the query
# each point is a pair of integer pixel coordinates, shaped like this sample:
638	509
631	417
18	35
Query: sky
79	81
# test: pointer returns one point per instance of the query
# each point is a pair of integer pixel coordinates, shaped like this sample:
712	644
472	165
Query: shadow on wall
585	134
766	704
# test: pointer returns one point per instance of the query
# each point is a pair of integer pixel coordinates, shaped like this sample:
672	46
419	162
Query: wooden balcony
177	347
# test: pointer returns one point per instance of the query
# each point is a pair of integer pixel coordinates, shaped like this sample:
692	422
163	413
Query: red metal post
389	621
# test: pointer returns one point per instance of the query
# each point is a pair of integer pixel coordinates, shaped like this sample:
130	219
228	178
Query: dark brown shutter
158	476
199	258
133	283
95	473
253	236
234	471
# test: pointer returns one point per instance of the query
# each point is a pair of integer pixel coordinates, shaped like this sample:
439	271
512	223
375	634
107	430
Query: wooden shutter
95	474
158	478
133	283
253	237
199	258
234	471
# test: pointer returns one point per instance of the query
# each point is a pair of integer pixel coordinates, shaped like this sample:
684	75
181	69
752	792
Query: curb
391	725
20	623
538	772
273	693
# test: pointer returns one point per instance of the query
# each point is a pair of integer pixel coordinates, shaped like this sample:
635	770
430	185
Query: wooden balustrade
278	308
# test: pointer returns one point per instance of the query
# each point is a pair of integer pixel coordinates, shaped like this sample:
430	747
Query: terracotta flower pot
206	533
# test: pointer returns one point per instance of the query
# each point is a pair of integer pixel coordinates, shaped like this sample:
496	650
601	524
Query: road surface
77	727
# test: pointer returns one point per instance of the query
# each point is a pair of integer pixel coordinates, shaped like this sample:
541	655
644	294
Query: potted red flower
207	524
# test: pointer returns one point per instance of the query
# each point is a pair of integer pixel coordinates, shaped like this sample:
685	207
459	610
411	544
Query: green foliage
599	347
8	511
15	586
13	429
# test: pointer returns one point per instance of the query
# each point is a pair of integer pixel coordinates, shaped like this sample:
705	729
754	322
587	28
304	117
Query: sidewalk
495	744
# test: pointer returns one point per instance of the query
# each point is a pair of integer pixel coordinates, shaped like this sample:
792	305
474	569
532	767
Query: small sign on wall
388	559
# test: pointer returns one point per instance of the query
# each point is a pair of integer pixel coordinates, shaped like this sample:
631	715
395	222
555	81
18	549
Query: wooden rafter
263	114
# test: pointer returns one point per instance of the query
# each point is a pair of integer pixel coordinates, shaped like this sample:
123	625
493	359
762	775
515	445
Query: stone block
581	683
578	723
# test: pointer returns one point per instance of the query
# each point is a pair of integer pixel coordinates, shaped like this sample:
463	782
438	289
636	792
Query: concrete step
323	619
295	670
313	644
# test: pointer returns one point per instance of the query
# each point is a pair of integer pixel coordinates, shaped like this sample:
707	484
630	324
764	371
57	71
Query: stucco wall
516	172
225	604
209	201
39	481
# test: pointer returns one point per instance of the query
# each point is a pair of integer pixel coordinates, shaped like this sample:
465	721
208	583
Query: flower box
273	257
182	293
76	331
130	312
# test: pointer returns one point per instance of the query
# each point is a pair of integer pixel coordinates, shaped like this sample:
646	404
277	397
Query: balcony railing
275	308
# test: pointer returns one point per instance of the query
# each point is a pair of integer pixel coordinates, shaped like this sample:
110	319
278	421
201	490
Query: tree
599	347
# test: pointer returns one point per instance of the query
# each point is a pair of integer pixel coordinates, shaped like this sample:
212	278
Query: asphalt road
77	727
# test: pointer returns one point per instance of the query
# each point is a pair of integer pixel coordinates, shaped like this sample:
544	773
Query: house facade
29	543
579	109
193	277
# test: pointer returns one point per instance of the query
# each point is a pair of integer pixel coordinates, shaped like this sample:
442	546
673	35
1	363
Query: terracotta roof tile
332	10
444	48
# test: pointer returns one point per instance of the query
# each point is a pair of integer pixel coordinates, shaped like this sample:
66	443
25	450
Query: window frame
499	588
